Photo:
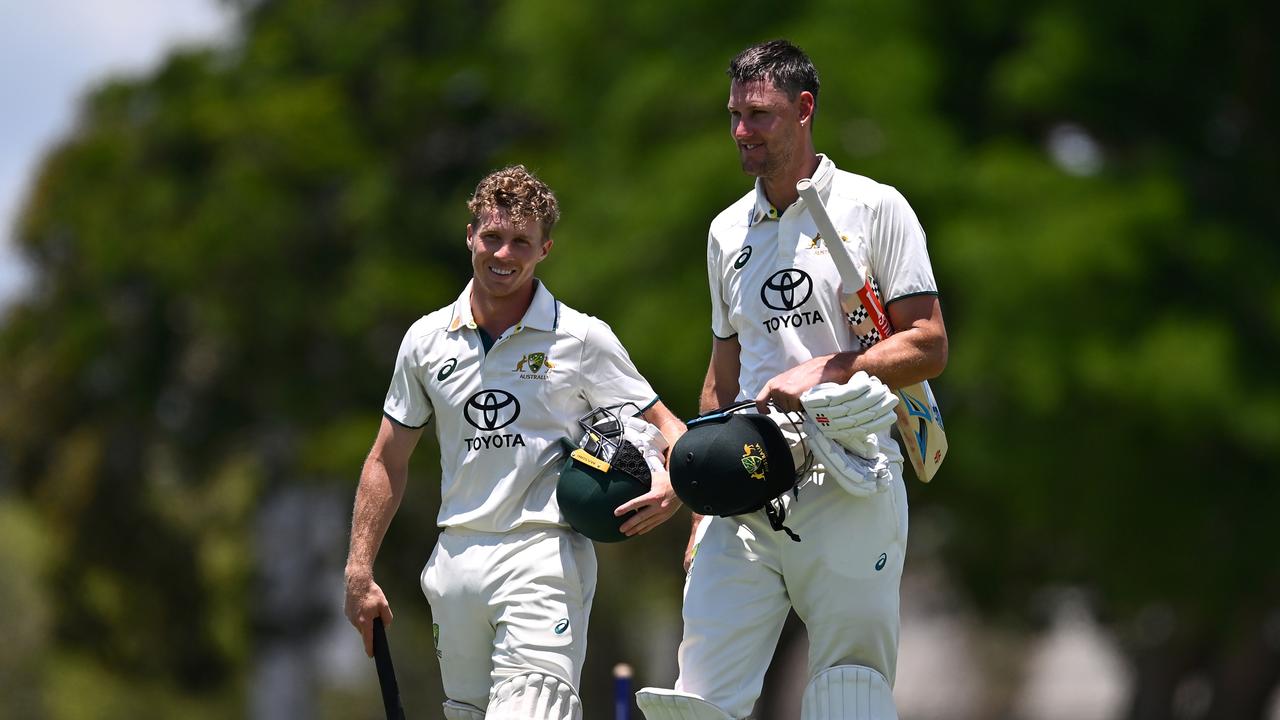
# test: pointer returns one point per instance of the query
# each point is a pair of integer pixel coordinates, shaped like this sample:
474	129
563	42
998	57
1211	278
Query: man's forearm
715	395
901	360
377	499
720	387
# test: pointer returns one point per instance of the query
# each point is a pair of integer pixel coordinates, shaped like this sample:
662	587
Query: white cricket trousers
842	579
504	604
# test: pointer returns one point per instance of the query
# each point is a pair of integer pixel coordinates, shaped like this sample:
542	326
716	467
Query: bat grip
386	672
850	276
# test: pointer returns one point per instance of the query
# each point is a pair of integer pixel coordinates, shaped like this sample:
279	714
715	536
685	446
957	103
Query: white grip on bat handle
849	275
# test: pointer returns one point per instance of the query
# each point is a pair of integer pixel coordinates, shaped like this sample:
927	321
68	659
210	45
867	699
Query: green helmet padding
588	496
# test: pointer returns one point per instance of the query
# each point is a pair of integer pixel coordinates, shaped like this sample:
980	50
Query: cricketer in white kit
505	371
779	331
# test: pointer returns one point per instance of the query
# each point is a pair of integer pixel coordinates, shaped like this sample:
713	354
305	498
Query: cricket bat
919	419
386	672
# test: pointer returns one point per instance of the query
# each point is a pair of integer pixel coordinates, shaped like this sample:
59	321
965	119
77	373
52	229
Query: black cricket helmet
732	462
600	472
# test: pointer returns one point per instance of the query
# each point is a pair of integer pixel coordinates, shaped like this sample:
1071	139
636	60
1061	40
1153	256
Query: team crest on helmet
754	460
534	366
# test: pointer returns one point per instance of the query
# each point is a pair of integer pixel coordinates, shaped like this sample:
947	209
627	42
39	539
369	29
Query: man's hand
652	508
365	602
785	389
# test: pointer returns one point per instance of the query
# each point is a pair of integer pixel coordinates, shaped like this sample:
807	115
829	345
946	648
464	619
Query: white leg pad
534	696
454	710
661	704
848	692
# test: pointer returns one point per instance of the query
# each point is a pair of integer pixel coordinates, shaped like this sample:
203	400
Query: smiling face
504	253
770	128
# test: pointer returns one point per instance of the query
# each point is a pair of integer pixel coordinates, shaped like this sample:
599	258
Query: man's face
504	253
766	125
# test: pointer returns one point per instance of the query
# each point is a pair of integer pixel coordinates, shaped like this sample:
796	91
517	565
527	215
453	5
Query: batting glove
852	414
648	439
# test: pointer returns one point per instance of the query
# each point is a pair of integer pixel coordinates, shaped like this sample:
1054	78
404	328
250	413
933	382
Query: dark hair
779	62
520	193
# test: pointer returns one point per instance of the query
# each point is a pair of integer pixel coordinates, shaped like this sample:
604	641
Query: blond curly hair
520	193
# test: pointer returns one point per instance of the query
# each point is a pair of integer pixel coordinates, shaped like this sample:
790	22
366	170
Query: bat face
919	422
921	430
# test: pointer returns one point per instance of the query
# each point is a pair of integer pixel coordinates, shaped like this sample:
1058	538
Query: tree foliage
228	249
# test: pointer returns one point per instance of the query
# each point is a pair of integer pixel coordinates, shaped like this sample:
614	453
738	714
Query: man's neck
496	315
781	188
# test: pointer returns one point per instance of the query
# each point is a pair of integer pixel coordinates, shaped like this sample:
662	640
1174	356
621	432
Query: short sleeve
899	258
407	402
608	375
720	325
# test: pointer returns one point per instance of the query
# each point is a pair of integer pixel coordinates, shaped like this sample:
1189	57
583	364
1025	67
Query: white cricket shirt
500	415
774	286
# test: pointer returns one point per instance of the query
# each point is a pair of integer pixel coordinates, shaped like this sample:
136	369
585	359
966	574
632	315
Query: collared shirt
774	286
500	414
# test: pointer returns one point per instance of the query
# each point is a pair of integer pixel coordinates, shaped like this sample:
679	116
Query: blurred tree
24	616
229	249
1111	240
227	253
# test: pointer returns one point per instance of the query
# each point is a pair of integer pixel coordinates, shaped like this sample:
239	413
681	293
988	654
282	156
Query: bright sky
51	52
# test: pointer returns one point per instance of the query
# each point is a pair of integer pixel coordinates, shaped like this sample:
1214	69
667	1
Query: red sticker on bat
875	310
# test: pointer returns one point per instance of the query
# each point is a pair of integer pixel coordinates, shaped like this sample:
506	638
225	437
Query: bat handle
850	276
386	672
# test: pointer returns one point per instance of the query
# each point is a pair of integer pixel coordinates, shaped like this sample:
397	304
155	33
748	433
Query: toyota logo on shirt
786	289
491	409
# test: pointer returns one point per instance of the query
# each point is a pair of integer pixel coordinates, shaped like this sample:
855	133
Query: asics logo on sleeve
447	369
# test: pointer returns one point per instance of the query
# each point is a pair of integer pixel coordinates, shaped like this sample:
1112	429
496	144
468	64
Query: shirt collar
543	312
763	210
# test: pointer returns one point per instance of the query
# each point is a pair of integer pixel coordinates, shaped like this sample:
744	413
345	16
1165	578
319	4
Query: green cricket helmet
732	462
600	472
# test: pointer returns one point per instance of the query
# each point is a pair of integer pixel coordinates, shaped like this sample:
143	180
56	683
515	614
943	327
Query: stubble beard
774	162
